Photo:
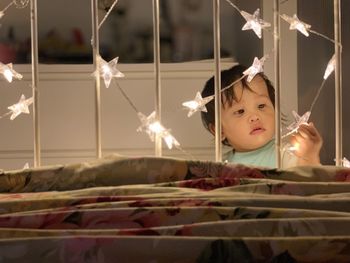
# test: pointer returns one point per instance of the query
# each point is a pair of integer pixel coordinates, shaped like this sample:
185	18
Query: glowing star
295	23
170	140
146	121
254	69
108	70
293	148
8	72
330	68
151	126
299	120
197	104
21	3
346	162
254	22
20	107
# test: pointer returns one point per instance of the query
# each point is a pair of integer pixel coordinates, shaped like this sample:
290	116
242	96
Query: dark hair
228	96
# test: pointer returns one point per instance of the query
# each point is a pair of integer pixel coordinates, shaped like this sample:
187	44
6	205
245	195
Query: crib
151	207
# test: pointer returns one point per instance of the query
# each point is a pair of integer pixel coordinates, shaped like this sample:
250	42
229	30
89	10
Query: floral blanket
150	209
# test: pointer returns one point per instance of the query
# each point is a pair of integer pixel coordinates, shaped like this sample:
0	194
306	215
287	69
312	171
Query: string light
254	69
346	162
170	140
298	120
293	148
295	23
8	72
108	70
149	124
303	27
21	3
20	107
330	67
17	3
107	14
153	127
254	22
197	104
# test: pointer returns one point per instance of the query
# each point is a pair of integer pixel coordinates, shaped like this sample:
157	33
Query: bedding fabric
150	209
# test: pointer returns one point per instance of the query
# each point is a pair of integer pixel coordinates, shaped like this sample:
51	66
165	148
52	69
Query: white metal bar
156	50
338	84
216	28
95	53
35	81
277	48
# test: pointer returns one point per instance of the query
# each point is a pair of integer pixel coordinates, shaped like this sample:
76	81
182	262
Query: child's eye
239	112
261	106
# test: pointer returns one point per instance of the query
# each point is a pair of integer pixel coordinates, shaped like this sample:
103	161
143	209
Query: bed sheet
149	209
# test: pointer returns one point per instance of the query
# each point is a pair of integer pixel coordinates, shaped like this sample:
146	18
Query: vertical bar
338	84
277	48
156	51
216	25
35	78
95	53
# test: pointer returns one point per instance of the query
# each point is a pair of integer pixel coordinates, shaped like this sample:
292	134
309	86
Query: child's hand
308	143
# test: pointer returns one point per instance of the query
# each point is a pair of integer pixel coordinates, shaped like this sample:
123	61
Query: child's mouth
257	130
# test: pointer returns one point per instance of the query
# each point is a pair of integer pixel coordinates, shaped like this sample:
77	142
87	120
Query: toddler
248	123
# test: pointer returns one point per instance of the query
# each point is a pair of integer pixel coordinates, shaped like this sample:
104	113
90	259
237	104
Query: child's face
250	122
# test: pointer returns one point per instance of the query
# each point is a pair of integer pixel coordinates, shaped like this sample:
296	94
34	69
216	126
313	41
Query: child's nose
253	118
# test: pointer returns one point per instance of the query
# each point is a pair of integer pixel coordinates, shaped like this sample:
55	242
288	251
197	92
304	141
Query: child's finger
309	133
314	130
293	141
296	139
310	128
304	132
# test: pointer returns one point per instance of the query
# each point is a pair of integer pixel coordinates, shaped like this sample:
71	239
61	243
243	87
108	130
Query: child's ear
212	130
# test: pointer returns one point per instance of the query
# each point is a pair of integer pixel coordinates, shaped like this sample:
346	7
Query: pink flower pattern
108	211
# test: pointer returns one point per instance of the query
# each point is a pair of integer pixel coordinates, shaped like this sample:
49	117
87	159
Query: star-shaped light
21	3
330	67
146	121
346	162
108	70
151	126
254	69
295	23
20	107
254	22
299	120
170	140
197	104
8	72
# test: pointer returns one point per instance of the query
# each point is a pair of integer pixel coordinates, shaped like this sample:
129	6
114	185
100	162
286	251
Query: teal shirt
264	156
